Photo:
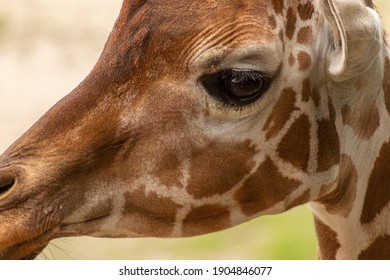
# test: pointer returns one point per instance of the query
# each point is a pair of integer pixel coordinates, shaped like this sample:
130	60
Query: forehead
165	31
207	10
203	18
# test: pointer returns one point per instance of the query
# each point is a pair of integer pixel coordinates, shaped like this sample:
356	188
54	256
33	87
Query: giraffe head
198	116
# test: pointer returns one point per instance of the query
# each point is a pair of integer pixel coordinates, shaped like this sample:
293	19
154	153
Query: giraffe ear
355	39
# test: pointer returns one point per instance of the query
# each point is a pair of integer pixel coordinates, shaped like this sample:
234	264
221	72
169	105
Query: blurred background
46	48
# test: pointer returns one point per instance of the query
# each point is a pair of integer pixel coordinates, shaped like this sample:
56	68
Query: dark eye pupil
236	87
243	86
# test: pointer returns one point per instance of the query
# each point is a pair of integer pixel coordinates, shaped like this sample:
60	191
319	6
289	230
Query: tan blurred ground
46	48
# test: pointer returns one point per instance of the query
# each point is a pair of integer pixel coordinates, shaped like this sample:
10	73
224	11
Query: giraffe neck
352	221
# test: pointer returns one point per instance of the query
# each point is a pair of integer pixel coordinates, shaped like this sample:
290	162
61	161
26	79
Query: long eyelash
246	75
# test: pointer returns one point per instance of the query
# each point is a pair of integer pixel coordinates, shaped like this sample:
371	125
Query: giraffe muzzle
26	250
27	225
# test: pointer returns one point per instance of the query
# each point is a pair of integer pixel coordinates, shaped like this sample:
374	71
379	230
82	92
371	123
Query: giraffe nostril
6	184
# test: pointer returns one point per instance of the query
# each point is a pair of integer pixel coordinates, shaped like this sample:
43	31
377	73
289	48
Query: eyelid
255	55
241	68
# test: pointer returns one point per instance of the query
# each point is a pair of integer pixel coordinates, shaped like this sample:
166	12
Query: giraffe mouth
84	227
29	249
23	251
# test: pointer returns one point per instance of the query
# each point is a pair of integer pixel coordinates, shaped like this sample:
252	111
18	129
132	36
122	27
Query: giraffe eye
236	86
6	183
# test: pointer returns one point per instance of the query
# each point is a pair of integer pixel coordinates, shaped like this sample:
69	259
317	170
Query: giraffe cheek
206	219
219	167
265	188
148	213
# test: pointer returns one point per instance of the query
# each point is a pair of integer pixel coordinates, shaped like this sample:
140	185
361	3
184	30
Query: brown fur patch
341	200
266	187
386	84
205	219
281	37
291	60
304	60
101	209
272	22
306	90
364	122
359	84
302	199
291	23
327	240
306	11
278	6
149	214
229	164
328	142
295	145
325	189
369	3
378	194
305	36
169	171
315	95
281	113
378	250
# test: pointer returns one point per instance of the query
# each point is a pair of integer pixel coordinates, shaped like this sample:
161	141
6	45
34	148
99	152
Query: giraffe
202	115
